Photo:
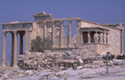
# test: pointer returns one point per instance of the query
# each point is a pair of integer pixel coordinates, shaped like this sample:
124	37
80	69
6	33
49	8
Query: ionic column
69	34
12	49
15	50
21	43
61	35
45	34
53	35
4	50
89	37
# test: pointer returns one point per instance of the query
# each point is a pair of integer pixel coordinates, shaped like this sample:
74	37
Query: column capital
61	21
28	30
88	32
15	32
96	31
53	22
44	22
79	20
4	32
70	21
21	34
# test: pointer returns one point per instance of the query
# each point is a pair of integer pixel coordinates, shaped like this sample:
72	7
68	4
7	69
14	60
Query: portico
94	35
19	29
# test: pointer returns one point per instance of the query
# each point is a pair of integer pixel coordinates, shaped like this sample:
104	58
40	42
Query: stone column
105	36
101	38
61	35
12	49
15	50
69	33
45	34
4	50
89	37
21	43
53	35
96	37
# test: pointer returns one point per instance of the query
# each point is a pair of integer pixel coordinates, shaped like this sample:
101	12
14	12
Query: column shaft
45	30
61	36
21	44
4	50
96	37
12	49
15	50
105	36
53	35
45	34
89	38
69	34
101	38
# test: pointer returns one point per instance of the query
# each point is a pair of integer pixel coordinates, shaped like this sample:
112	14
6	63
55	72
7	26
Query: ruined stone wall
114	41
102	49
89	48
36	31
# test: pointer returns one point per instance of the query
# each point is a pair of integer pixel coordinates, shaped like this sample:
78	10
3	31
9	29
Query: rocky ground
81	73
65	66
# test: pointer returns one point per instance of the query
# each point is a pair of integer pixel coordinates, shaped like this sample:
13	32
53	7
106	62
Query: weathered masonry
90	37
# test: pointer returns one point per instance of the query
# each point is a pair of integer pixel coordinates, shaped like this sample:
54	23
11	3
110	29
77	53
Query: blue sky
99	11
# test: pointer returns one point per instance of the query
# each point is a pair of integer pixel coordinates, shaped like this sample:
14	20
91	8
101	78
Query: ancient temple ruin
90	37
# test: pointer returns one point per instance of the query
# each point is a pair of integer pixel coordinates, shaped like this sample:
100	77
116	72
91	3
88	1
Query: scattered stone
29	72
21	74
118	62
80	67
6	76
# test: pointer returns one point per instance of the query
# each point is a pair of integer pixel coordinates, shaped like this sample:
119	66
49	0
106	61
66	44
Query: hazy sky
100	11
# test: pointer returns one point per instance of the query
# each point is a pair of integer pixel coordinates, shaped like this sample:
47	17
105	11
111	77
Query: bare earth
115	73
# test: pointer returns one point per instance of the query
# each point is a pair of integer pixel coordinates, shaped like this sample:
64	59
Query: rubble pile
46	61
68	65
49	60
63	60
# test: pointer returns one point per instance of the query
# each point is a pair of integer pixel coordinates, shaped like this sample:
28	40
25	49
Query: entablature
16	26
